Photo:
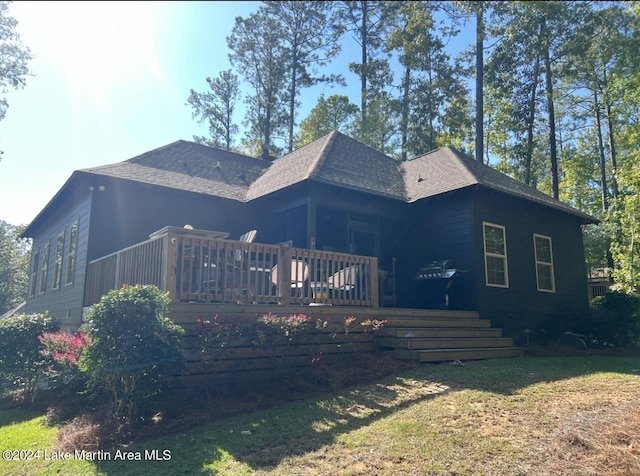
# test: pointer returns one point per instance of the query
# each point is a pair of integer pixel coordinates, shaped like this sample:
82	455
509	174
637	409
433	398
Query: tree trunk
551	111
530	123
292	99
603	172
479	81
404	124
363	88
612	145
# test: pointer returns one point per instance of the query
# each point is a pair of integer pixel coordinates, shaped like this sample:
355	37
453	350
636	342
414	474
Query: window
71	254
43	271
495	255
34	274
544	263
57	265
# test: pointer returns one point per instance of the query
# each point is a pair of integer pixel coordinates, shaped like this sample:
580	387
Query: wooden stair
436	336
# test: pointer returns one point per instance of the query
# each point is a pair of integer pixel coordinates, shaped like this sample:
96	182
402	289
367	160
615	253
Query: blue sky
110	81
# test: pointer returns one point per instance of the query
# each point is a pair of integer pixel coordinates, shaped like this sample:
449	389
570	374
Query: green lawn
485	417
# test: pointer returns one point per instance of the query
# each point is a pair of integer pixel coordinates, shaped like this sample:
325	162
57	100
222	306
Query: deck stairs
435	336
421	335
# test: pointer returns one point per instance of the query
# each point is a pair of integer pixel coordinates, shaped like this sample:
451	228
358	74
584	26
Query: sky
110	81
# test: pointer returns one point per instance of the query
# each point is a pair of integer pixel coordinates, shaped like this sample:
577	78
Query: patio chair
235	268
299	274
342	281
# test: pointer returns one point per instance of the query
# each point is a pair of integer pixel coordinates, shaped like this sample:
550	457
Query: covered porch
205	266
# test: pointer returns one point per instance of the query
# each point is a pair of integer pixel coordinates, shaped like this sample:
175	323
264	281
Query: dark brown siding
436	229
64	303
125	213
521	306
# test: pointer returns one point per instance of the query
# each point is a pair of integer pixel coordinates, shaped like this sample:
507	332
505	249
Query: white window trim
493	255
537	262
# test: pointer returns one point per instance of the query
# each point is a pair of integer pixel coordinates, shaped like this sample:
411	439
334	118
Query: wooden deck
208	276
203	266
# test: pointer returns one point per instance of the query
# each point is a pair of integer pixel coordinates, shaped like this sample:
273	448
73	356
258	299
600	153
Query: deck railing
198	266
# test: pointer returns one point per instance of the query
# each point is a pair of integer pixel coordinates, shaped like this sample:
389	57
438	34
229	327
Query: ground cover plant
533	415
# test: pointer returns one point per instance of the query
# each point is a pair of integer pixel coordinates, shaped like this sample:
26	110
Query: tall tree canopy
556	101
217	107
14	266
310	34
14	58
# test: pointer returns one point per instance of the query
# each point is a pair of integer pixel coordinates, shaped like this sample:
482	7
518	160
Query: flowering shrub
219	333
348	321
372	325
134	349
62	352
287	326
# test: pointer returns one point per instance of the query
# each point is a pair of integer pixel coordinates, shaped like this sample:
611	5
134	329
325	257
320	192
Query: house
518	252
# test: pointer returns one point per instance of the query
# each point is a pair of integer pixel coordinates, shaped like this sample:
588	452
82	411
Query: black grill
441	274
441	269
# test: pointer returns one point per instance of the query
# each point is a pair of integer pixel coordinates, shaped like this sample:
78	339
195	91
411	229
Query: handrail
195	267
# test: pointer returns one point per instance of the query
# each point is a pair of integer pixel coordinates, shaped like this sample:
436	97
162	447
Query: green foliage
14	57
617	316
333	113
14	266
20	359
134	348
216	107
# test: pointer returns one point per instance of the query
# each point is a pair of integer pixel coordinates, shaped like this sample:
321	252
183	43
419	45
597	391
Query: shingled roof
334	159
445	170
192	167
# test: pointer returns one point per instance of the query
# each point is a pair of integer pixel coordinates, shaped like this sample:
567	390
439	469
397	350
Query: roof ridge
462	159
322	156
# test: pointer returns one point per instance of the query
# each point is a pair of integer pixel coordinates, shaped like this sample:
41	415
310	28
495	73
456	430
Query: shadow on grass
11	416
262	439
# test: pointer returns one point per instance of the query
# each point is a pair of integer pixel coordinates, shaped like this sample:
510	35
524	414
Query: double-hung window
57	265
71	254
34	274
43	270
495	255
544	263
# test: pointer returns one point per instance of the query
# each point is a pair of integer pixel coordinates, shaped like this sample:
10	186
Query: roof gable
445	170
334	159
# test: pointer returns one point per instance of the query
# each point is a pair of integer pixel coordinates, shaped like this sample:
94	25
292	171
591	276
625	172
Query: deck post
284	275
171	266
373	284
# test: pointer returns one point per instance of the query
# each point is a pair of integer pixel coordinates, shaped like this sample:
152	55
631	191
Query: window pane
494	240
496	271
545	279
543	249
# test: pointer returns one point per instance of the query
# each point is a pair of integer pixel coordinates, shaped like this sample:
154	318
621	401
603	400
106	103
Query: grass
527	416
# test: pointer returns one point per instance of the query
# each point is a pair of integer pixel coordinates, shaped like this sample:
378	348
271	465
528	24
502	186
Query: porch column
311	226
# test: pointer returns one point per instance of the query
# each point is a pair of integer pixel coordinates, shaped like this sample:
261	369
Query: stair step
441	332
440	355
436	323
429	313
445	343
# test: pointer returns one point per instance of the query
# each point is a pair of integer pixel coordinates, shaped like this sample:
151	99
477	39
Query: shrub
62	353
20	359
134	349
616	319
